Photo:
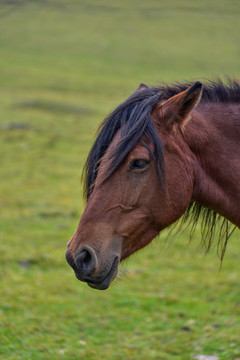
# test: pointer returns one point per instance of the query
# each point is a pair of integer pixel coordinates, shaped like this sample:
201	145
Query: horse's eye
138	164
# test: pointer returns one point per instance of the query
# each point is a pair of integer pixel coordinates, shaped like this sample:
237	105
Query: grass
63	67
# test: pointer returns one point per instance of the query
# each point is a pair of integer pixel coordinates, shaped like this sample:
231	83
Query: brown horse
164	152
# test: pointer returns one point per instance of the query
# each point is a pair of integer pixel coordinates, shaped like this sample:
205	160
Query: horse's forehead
113	144
140	151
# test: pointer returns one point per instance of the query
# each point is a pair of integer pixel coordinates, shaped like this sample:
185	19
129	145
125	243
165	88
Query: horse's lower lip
104	284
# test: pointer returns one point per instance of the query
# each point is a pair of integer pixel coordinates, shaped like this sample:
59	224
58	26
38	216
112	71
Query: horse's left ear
142	87
177	109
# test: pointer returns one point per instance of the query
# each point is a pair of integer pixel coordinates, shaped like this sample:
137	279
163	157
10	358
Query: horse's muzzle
86	268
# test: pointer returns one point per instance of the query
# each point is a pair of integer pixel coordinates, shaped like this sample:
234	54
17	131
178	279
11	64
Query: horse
166	153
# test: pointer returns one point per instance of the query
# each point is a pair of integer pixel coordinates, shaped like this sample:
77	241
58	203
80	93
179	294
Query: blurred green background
63	66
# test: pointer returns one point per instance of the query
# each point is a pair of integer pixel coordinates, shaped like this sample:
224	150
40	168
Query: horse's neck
213	135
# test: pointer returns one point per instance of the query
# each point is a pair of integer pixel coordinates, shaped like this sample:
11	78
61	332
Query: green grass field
63	66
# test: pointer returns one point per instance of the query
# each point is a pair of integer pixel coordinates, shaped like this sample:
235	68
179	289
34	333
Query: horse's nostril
86	261
83	261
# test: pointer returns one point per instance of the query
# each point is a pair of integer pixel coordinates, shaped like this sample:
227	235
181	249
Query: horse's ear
142	87
177	109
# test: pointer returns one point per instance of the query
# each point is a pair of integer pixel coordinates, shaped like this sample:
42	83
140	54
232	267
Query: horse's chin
105	283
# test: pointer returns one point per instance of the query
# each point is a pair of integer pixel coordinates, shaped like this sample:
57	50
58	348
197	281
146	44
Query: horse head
137	185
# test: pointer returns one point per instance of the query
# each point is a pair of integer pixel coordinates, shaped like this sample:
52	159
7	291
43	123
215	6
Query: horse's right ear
177	109
142	87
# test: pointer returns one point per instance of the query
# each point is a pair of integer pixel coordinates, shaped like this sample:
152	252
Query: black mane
132	118
213	91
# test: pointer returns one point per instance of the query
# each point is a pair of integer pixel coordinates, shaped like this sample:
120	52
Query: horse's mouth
104	284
